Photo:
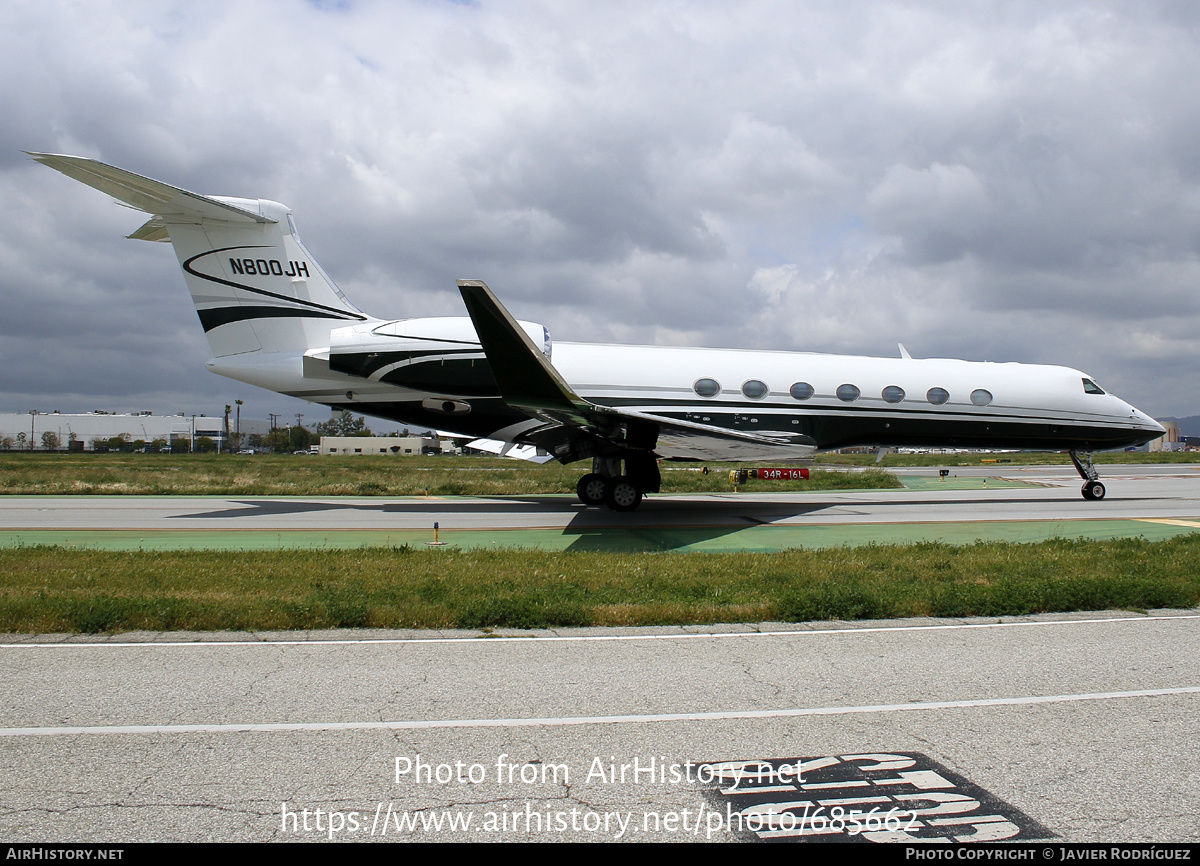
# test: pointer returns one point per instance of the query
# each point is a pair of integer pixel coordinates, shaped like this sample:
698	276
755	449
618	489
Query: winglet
525	376
904	352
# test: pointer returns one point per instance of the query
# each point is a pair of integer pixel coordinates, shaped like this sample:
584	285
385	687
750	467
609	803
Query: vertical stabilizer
255	286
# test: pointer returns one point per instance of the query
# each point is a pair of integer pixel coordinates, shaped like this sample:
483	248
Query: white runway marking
483	640
581	720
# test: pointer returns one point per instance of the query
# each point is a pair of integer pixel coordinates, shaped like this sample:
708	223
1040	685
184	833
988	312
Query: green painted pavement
966	482
697	539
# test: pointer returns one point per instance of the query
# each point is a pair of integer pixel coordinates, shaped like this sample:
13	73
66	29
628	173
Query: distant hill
1189	426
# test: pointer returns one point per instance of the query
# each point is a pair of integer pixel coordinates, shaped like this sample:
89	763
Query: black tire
592	489
623	494
1093	490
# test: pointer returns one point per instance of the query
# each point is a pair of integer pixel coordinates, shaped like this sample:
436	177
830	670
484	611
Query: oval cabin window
937	396
754	389
707	387
801	391
847	393
893	394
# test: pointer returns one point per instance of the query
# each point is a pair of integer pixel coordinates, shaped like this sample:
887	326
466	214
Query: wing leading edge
576	428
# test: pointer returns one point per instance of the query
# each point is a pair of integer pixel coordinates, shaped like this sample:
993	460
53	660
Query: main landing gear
620	490
1092	488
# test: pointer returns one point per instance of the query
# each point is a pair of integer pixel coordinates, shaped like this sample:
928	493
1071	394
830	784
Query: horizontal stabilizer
151	196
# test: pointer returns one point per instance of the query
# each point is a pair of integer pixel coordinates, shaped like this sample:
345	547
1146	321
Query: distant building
397	446
1170	441
84	432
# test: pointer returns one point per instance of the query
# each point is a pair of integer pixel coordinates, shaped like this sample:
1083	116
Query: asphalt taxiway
1010	503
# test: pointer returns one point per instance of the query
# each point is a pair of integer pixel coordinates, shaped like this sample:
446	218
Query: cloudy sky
1007	181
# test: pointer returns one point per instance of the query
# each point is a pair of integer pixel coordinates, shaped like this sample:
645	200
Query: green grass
48	589
296	475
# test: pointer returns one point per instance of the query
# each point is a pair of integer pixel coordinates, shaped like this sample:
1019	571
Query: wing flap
510	450
695	441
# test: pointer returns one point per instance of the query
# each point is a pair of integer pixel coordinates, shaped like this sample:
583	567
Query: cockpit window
1090	387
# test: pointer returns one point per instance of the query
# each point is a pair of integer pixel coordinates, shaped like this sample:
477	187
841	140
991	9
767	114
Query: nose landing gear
1092	487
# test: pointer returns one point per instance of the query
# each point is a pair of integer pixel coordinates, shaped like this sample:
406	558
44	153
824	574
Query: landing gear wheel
1093	490
622	494
592	489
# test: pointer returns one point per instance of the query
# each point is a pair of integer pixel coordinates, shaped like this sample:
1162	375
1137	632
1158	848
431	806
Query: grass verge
292	475
49	589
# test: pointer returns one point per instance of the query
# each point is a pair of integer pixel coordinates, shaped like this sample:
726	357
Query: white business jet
274	319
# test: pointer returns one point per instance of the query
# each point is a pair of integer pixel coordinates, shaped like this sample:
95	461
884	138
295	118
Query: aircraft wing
576	426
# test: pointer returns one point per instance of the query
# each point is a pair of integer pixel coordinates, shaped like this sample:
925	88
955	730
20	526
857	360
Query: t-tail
255	287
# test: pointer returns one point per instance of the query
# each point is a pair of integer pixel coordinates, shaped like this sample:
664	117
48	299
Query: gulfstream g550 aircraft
275	319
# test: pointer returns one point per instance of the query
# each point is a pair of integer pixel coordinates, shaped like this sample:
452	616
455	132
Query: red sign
797	474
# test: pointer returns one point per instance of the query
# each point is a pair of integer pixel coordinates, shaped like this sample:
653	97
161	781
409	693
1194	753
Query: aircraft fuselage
837	401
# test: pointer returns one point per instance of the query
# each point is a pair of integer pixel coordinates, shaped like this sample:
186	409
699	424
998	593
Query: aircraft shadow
652	513
661	524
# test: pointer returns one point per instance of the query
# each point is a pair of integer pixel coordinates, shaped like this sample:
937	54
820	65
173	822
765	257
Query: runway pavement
1079	728
1021	504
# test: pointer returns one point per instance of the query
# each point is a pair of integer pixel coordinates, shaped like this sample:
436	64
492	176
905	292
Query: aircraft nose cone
1147	423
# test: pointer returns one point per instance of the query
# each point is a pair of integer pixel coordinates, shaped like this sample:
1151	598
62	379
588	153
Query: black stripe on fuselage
366	364
841	429
215	317
828	431
415	338
693	410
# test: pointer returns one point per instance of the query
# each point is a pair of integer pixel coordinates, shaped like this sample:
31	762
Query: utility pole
237	428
